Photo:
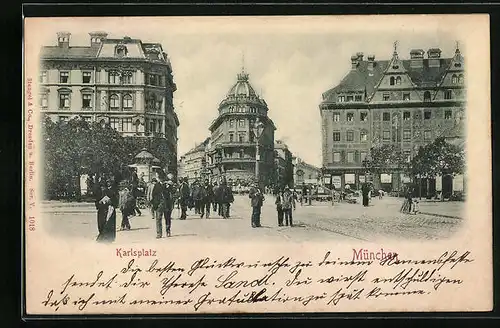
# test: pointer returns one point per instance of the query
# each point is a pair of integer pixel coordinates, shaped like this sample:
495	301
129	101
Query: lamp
258	129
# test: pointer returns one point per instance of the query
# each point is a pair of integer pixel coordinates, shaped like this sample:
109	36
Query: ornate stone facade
232	149
122	82
407	102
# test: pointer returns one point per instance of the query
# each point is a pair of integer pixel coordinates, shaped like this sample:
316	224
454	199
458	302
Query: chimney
354	62
434	56
63	39
360	56
417	58
371	62
96	38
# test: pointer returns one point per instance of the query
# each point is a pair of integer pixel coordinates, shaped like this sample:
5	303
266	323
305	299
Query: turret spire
395	54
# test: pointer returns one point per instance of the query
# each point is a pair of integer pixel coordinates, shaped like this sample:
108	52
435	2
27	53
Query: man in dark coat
226	198
208	196
365	190
215	200
184	192
256	201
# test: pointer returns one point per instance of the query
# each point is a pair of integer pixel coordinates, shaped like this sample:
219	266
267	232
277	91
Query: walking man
215	201
226	197
149	195
288	206
279	207
257	200
168	206
208	195
184	193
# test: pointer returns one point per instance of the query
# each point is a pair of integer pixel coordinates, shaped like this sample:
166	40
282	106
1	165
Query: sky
291	62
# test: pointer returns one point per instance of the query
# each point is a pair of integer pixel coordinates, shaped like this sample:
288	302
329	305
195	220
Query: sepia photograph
311	154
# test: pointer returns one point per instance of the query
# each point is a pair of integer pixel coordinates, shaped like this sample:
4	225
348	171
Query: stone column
139	101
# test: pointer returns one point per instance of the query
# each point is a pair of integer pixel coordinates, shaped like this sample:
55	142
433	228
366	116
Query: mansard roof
362	79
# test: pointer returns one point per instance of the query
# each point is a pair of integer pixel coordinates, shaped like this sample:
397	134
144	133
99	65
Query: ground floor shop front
397	182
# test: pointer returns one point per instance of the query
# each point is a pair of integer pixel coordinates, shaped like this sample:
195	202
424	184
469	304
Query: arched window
461	79
392	80
454	79
427	96
127	101
398	80
114	102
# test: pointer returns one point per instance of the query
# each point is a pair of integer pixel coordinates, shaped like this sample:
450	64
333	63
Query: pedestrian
208	195
166	207
257	200
106	200
157	204
135	194
196	196
279	206
304	193
215	200
365	189
226	198
184	193
408	202
149	194
288	206
380	194
127	205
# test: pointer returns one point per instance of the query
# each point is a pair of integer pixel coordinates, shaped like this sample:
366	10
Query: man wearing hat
184	193
288	203
257	200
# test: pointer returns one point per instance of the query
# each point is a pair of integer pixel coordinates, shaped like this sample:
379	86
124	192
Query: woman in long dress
106	202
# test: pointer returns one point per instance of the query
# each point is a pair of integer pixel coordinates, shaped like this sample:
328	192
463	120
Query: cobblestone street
381	220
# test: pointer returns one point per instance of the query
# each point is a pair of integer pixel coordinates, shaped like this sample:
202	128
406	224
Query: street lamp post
258	129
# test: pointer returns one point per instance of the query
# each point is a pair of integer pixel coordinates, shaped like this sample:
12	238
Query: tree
438	158
386	157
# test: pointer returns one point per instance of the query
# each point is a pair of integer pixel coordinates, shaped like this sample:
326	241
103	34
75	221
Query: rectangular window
350	117
44	101
447	115
231	137
447	94
63	118
406	96
242	123
350	98
160	126
86	76
387	135
336	136
427	115
336	157
241	137
350	135
386	116
336	117
43	77
64	100
362	156
386	97
231	123
363	136
406	116
427	135
127	125
350	157
358	98
363	117
115	123
406	134
341	98
63	77
86	100
127	78
113	78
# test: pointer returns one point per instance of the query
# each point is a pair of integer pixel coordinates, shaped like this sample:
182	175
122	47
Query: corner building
232	150
407	102
125	83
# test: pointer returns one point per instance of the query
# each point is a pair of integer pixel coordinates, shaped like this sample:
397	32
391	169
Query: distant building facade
232	151
283	164
193	164
304	173
125	83
407	102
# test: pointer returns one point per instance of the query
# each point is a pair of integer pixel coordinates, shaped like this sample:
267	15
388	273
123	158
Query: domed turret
242	87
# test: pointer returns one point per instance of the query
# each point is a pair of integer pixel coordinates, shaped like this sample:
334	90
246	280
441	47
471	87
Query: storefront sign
337	181
385	178
350	178
458	183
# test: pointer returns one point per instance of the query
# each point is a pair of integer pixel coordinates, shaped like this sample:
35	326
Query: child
416	206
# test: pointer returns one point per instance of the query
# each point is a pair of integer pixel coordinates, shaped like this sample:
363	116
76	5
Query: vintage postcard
257	164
